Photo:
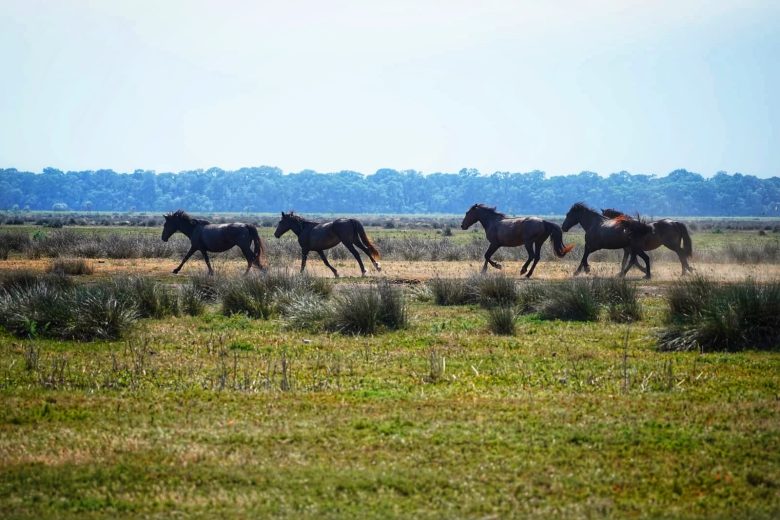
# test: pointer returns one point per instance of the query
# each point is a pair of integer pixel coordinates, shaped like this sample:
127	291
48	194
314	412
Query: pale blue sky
559	86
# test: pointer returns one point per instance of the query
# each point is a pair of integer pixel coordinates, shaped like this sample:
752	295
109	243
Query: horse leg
490	250
584	262
529	246
368	254
644	256
354	252
304	256
186	257
206	258
335	273
249	258
537	256
683	262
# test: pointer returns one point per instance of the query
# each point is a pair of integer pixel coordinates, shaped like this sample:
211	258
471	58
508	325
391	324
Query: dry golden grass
409	270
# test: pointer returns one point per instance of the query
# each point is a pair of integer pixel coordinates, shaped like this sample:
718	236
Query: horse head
285	224
471	217
170	227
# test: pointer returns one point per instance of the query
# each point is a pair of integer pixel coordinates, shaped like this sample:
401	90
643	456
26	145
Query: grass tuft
501	320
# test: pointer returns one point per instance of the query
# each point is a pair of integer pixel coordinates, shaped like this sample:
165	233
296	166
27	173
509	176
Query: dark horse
604	233
666	232
316	236
205	236
513	232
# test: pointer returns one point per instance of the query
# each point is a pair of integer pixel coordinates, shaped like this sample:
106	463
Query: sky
560	86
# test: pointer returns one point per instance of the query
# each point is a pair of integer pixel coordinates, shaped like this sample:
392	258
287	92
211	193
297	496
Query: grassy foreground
230	416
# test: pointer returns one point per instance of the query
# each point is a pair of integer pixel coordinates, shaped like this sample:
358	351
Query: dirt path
409	270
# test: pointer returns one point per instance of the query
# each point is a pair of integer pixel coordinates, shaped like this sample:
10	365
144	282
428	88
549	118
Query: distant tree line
268	189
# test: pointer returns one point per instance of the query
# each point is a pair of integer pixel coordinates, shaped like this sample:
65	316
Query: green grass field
235	417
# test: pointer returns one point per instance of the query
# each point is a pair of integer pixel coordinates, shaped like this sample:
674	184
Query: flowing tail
259	249
557	239
686	240
361	233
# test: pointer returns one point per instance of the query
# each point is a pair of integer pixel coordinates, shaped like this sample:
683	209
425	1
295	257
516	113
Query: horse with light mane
665	232
604	233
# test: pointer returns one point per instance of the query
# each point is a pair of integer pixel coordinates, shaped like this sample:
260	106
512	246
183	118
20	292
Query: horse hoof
175	271
523	270
528	275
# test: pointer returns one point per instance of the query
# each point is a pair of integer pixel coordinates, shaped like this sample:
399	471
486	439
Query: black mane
490	209
183	216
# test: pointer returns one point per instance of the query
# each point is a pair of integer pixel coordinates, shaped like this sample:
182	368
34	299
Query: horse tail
259	249
686	240
554	230
361	234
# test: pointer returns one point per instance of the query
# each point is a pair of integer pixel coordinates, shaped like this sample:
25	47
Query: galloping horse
316	236
513	232
205	236
666	232
604	233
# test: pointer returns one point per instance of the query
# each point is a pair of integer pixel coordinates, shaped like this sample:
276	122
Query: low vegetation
706	316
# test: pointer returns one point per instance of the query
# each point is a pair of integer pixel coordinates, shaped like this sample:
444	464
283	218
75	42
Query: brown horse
316	236
604	233
205	236
666	232
512	232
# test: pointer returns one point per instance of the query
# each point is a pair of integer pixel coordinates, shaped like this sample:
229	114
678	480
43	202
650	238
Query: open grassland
225	415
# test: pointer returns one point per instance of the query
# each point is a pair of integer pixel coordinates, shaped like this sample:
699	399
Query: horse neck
187	227
486	217
301	225
589	218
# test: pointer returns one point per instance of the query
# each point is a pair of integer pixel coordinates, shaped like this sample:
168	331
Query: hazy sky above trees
559	86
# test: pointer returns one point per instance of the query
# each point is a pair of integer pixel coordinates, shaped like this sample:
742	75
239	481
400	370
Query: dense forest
268	189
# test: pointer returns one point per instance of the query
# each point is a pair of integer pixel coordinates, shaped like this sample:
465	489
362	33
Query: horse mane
612	213
583	207
492	209
298	218
635	227
182	215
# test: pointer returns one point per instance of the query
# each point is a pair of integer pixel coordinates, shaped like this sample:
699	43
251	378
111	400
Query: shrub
530	295
191	300
731	318
393	307
501	320
449	291
572	301
493	290
250	295
306	311
363	310
98	313
152	299
71	266
620	298
11	280
82	313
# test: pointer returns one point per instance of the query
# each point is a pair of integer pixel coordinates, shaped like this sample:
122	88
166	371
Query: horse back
221	237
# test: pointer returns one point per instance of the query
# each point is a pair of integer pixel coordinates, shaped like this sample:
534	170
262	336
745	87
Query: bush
501	320
82	313
152	299
249	295
11	280
733	317
364	310
572	301
492	290
98	313
449	291
306	311
71	266
620	298
191	300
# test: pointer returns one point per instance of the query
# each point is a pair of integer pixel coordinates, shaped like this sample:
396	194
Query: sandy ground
408	270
